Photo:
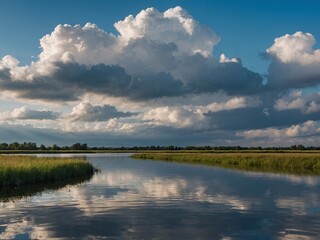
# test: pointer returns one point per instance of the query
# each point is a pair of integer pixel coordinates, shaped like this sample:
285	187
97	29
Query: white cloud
295	48
85	45
192	115
233	103
122	126
24	113
12	64
87	112
172	26
91	117
8	62
307	128
155	54
224	59
307	103
178	117
295	63
142	39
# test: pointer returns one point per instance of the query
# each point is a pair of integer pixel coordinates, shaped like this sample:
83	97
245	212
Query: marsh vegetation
18	170
285	162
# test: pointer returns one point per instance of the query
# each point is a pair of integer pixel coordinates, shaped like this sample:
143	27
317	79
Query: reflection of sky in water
157	200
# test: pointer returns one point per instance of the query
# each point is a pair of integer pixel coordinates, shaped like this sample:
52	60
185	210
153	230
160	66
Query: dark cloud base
70	81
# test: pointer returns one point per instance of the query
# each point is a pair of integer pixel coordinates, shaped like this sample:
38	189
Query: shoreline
290	162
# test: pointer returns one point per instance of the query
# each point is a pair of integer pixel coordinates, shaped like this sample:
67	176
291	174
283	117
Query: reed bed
298	163
22	170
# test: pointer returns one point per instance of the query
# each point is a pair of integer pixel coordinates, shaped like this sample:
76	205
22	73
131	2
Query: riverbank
284	162
27	170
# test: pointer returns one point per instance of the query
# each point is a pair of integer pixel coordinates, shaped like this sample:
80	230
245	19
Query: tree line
84	146
34	146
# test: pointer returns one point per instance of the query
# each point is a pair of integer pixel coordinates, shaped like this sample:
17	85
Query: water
137	199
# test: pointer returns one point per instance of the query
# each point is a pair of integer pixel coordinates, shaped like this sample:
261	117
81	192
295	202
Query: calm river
138	199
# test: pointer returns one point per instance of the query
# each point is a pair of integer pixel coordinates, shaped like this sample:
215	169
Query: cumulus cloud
308	128
179	117
141	62
172	26
149	36
24	113
87	112
260	116
84	45
305	103
193	116
295	62
233	103
207	75
295	48
71	81
225	59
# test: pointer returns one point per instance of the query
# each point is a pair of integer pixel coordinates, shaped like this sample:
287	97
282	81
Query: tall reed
21	170
274	162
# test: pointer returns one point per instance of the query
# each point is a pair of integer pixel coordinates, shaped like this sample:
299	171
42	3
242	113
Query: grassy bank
24	170
298	163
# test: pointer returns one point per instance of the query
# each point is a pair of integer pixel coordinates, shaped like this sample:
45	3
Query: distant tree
79	146
55	147
42	147
4	146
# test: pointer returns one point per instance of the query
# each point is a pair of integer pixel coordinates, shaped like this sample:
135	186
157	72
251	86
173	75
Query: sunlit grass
22	170
299	163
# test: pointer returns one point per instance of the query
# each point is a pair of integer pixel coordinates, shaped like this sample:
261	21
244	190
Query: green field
284	162
27	170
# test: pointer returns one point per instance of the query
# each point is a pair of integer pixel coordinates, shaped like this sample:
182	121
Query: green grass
25	170
285	162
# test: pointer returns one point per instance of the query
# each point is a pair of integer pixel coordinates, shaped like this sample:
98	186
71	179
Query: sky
148	72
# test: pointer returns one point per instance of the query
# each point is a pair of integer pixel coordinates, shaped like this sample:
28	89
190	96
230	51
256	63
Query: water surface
138	199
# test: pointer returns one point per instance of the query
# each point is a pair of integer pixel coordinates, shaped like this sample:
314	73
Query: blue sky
205	73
